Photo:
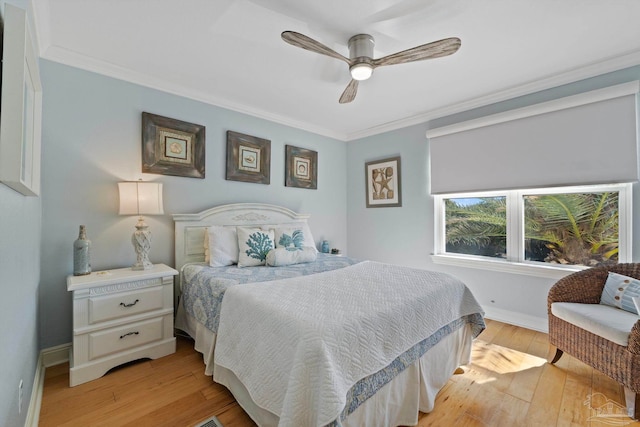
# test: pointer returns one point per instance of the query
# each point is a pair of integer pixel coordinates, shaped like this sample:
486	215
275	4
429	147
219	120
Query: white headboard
190	228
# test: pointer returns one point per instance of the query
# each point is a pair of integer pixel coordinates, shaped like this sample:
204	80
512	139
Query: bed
328	340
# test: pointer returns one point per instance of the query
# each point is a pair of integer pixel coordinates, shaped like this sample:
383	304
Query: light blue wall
397	235
92	140
19	279
405	235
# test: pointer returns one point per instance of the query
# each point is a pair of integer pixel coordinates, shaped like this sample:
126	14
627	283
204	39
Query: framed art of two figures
249	160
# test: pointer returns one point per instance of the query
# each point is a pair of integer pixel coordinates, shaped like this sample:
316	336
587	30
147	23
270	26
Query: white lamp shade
140	198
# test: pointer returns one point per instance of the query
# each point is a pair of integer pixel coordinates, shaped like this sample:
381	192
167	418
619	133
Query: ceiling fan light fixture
361	61
361	71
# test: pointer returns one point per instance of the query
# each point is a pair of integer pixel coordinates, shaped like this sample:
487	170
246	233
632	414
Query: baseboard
518	319
48	357
57	355
33	413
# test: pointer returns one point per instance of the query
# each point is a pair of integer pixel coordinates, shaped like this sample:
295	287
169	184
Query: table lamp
141	198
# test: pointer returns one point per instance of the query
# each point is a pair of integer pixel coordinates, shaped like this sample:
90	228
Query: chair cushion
603	320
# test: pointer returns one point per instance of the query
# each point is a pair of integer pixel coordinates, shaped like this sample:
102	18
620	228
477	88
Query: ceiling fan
361	62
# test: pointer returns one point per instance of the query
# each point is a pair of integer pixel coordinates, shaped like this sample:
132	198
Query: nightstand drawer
120	315
114	340
125	304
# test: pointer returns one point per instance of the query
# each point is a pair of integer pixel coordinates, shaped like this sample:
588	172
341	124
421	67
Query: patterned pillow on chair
619	292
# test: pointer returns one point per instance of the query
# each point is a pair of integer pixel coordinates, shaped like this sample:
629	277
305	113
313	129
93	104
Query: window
569	227
476	226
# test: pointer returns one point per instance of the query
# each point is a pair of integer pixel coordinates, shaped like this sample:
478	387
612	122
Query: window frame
515	260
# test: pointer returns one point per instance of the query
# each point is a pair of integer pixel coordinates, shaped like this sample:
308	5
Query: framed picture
382	178
301	168
248	158
172	147
21	115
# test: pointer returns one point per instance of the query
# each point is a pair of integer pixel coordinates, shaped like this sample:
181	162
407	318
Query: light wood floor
508	383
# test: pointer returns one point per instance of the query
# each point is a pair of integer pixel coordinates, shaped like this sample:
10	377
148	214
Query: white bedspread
298	345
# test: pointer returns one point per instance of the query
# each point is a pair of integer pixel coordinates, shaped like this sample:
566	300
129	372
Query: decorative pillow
254	244
619	291
221	244
289	239
280	257
285	238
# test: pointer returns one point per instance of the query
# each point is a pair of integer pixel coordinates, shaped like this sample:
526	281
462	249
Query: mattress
431	363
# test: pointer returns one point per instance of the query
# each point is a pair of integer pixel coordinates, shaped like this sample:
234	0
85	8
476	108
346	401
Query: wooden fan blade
350	92
304	42
435	49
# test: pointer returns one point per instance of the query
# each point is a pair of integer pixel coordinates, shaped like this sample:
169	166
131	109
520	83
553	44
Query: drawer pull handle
130	305
129	333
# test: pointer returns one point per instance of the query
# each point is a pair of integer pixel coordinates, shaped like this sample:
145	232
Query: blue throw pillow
619	292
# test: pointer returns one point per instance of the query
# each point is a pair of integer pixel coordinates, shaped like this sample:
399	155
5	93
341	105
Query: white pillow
282	256
288	229
221	245
253	246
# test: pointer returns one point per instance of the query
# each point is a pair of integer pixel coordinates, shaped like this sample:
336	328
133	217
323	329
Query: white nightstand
118	316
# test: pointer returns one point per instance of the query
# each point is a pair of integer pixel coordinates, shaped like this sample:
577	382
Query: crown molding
74	59
77	60
577	74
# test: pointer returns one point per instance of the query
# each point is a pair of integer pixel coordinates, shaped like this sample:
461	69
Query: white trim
57	355
515	225
20	134
625	225
604	94
535	323
35	402
515	222
580	73
40	20
48	357
504	266
74	59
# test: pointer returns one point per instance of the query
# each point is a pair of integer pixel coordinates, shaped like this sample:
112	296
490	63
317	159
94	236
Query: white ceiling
229	52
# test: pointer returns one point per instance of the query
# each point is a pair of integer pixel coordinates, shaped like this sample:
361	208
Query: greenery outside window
566	228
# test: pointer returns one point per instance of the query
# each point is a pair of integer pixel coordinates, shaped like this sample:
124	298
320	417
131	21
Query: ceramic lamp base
141	240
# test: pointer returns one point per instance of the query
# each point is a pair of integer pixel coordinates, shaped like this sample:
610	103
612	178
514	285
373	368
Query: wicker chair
618	362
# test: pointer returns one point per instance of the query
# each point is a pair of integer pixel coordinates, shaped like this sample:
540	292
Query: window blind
585	139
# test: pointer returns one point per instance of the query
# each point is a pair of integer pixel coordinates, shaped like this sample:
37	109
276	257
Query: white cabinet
118	316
